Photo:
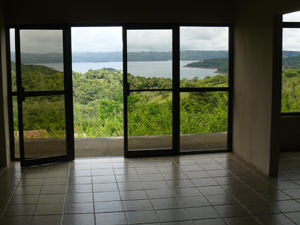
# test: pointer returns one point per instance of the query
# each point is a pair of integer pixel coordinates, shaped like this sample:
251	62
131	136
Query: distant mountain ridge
132	56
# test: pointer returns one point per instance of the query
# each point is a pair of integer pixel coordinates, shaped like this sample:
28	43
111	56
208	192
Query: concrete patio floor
114	146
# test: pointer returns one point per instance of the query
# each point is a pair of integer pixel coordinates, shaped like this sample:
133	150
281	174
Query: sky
291	37
109	39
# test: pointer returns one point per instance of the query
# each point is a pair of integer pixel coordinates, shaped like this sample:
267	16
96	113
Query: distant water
145	69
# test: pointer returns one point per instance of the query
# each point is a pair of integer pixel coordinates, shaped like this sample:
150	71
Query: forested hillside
98	102
132	56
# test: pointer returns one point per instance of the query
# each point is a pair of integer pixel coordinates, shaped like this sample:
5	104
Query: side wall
256	125
253	68
4	141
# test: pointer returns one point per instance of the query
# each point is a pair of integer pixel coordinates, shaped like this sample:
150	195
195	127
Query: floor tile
137	205
197	174
237	188
192	201
24	199
49	209
180	183
198	213
247	220
174	176
272	219
181	192
162	193
54	189
111	218
274	195
107	196
166	203
178	223
287	205
107	187
155	185
79	188
212	190
42	220
19	210
16	220
231	210
52	198
80	219
217	221
130	186
133	195
28	190
79	197
247	197
221	199
260	208
172	215
135	217
294	193
111	206
73	208
203	182
294	216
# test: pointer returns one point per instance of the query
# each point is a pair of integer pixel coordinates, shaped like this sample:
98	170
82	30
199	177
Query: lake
142	68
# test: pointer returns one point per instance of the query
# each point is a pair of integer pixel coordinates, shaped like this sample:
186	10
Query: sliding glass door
177	95
148	96
44	92
204	88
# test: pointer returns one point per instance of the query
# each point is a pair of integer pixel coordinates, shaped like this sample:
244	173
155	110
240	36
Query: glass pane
44	126
150	120
98	91
292	17
291	71
13	59
149	56
42	60
16	126
204	57
203	120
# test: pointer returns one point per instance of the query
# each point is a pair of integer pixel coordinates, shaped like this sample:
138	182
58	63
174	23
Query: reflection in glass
44	126
16	126
207	47
290	93
203	120
150	120
149	56
43	49
13	59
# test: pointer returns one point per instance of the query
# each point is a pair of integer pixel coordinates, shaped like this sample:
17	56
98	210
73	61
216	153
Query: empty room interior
158	112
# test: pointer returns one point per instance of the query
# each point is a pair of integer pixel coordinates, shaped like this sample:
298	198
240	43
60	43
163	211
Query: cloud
41	41
96	39
204	38
149	40
108	39
291	39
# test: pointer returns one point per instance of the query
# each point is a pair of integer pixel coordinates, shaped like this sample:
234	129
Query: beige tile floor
194	189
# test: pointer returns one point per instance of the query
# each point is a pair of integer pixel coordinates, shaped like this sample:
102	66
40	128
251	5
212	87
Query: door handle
128	89
23	94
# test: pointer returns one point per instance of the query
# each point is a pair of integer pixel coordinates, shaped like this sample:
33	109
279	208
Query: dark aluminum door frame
175	84
67	93
176	90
